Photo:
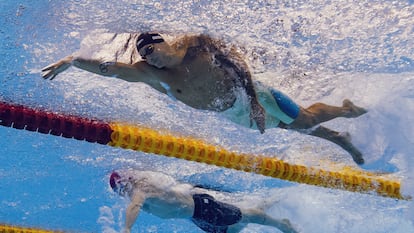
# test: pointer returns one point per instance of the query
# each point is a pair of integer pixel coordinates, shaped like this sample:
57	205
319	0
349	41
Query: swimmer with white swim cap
162	196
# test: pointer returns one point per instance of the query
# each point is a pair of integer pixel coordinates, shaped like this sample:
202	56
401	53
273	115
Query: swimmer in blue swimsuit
206	74
162	196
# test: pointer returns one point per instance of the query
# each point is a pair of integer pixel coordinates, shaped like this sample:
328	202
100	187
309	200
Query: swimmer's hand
258	114
50	71
286	226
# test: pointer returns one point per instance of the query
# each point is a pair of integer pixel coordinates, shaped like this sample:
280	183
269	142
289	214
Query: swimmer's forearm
127	72
131	216
257	113
95	66
247	84
133	210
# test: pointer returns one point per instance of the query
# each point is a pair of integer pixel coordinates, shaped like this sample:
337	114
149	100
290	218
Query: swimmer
204	73
162	196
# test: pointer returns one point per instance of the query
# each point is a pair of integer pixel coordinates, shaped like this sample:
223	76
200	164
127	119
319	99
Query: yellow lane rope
150	141
17	229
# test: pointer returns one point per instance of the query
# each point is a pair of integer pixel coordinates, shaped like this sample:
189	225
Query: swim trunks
277	105
213	216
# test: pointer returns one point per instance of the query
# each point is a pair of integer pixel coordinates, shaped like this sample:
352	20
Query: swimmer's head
113	179
120	185
155	51
148	39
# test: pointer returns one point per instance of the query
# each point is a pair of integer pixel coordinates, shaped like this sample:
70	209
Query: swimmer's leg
342	140
319	112
258	216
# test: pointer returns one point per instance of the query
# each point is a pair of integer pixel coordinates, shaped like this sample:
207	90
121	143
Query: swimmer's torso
164	197
200	80
169	202
200	83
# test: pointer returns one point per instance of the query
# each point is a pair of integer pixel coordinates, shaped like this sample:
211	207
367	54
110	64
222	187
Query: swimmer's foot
351	110
344	141
341	139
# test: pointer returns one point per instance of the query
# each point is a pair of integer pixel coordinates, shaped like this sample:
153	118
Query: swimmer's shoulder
200	41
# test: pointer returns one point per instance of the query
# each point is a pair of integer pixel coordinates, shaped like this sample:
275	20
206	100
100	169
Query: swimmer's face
157	54
123	186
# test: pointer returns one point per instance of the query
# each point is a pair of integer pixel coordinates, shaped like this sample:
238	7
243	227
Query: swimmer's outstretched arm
124	71
133	209
138	72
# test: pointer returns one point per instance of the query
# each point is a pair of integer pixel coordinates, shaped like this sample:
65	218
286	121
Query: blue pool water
311	50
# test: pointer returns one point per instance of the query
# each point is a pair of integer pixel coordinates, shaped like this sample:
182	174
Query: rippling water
312	50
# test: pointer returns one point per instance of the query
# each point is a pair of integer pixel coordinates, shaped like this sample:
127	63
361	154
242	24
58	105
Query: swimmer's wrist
72	60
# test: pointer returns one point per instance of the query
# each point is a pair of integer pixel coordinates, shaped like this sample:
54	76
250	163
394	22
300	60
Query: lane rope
151	141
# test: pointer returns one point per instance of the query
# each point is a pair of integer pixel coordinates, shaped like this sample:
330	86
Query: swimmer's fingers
52	77
50	72
48	75
47	68
55	65
286	226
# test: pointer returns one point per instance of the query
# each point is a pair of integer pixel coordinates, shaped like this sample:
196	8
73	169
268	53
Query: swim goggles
122	186
148	50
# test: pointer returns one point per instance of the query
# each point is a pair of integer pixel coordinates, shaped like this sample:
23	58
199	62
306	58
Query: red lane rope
21	117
